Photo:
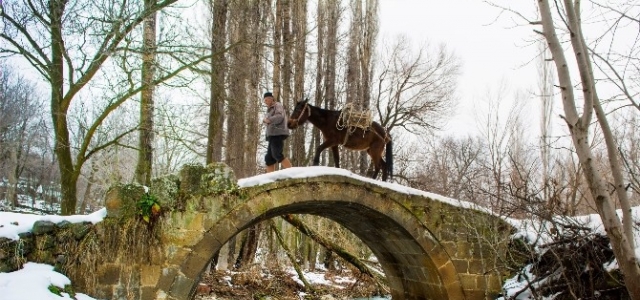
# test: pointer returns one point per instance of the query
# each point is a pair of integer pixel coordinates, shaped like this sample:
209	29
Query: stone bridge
429	247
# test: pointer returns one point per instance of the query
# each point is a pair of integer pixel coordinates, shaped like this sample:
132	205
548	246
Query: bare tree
68	45
415	90
621	234
21	127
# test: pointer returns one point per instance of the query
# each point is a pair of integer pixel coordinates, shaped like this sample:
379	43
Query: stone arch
415	263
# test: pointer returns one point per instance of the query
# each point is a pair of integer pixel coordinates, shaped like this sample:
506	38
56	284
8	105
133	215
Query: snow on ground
318	278
33	280
12	224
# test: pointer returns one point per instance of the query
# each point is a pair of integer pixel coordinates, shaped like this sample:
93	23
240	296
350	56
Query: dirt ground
276	284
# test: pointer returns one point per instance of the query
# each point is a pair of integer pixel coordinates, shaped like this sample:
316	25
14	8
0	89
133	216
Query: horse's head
300	114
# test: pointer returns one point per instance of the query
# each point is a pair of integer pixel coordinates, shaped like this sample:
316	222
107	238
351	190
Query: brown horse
374	139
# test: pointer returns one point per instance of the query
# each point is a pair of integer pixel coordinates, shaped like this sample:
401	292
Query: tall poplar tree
145	143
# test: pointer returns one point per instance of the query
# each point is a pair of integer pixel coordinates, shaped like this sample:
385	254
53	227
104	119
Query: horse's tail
389	159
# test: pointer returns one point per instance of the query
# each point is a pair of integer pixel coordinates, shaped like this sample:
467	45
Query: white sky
494	51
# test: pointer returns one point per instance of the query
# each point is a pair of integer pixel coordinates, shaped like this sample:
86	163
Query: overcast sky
492	47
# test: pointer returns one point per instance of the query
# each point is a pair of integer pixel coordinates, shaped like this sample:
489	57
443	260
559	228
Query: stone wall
428	248
476	242
46	243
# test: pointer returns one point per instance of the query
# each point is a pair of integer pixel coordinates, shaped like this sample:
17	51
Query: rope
351	119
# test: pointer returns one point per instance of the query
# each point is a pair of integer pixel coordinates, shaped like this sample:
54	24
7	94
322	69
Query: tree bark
579	128
238	78
249	246
218	73
62	148
298	153
145	143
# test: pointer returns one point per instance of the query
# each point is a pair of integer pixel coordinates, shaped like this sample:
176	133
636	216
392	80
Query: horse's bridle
306	107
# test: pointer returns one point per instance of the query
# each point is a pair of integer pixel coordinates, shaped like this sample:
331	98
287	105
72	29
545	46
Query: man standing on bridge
277	131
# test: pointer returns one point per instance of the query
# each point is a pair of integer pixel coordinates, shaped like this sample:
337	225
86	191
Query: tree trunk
249	246
218	73
13	177
579	128
62	147
319	90
277	52
145	144
237	102
331	53
258	30
298	153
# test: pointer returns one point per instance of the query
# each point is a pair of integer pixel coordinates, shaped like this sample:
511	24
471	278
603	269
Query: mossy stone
43	227
121	200
80	230
165	189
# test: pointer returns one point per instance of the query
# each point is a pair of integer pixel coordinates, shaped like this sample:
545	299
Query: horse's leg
383	166
378	163
319	149
336	155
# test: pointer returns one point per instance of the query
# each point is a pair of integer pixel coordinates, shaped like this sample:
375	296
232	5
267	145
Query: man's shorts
274	149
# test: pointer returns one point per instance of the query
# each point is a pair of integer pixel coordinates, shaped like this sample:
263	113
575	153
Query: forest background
98	92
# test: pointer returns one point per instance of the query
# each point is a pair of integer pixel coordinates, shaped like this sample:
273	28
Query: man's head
268	99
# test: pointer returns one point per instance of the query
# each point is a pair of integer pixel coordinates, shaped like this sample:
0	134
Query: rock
203	289
63	224
81	229
43	227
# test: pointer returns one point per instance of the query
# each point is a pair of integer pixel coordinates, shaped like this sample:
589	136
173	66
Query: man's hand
266	120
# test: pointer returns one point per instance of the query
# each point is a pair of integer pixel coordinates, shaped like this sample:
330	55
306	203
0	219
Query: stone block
149	275
176	254
468	281
462	266
190	176
476	266
121	200
482	282
475	295
463	249
193	221
148	293
448	272
182	287
181	237
109	274
207	246
194	265
43	227
495	283
103	291
218	178
166	278
166	190
80	230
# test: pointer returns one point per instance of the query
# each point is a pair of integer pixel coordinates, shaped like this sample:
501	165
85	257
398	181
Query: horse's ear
306	100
